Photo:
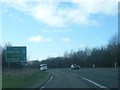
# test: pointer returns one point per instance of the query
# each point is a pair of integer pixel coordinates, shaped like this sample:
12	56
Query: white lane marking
100	86
46	83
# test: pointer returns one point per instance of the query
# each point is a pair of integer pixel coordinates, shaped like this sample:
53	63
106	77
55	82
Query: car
75	66
43	67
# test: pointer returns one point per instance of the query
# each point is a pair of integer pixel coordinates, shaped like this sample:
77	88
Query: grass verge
25	81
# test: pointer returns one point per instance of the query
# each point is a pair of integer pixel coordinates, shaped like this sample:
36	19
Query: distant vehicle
75	66
43	67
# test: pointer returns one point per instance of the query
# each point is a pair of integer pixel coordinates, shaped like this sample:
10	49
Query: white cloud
39	38
50	12
46	14
66	40
82	46
53	54
107	7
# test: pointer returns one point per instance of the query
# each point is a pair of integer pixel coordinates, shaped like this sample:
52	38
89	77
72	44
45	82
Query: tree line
104	56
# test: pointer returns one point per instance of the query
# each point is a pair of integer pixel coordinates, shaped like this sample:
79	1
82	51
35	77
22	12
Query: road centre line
96	84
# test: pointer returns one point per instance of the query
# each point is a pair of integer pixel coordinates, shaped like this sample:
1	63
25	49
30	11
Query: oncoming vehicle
43	67
75	66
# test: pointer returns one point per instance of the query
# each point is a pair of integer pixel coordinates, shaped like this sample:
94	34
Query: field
19	78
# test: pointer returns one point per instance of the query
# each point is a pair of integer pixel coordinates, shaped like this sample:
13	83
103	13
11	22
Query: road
83	78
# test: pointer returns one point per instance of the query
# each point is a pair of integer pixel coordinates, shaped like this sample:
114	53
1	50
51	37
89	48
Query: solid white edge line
100	86
46	83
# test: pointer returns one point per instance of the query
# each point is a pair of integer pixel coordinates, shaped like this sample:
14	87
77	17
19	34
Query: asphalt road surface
83	78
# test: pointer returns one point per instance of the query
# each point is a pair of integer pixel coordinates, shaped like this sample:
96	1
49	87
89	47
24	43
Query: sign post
9	70
115	64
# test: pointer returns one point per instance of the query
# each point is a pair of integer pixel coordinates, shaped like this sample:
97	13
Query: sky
51	27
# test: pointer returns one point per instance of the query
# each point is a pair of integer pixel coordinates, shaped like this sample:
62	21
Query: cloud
66	40
46	13
39	38
98	6
53	54
82	46
60	13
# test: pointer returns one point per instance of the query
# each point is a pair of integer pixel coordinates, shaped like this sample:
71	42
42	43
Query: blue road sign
16	54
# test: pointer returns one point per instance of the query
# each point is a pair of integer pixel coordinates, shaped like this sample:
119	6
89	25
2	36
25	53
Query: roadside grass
0	80
23	79
0	73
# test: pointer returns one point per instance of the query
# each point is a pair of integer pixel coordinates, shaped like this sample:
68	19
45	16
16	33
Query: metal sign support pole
24	71
9	70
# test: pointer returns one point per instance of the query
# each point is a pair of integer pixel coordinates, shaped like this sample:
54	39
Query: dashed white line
98	85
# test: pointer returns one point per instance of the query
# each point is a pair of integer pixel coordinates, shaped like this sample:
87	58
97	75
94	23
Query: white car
75	66
43	67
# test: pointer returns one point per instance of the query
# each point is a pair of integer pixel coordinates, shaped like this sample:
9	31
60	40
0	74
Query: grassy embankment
0	78
29	78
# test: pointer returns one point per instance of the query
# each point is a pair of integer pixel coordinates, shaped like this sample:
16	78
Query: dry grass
19	72
21	78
